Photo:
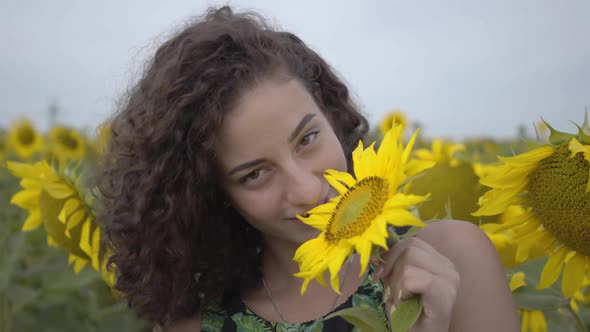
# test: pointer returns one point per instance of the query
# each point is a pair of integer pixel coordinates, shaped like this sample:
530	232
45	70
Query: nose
303	185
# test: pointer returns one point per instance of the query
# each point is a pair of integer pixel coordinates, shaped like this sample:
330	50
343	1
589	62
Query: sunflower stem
583	327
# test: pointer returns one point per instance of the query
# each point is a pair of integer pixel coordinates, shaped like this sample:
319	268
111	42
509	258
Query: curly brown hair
175	245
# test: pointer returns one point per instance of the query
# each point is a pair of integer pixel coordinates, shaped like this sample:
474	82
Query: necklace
274	304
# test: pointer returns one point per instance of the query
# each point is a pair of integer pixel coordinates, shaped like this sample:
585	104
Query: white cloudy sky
461	68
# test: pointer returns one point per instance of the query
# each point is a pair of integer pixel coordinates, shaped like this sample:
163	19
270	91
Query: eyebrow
300	126
245	165
293	135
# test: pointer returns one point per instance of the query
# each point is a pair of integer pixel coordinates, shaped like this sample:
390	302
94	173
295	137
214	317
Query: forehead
263	119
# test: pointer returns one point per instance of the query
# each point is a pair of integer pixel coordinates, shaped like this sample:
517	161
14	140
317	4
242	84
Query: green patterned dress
238	317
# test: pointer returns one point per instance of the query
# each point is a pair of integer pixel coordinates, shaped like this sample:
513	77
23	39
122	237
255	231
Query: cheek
258	208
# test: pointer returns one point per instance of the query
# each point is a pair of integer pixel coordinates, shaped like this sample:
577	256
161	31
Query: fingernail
399	294
392	309
386	294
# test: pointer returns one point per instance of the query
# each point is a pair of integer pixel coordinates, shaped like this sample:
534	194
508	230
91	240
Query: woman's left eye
308	139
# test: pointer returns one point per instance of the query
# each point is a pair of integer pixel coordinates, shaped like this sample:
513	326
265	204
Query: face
274	147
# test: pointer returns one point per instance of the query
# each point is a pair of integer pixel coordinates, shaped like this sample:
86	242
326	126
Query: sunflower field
530	195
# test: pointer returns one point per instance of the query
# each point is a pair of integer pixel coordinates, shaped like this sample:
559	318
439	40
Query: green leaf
67	280
21	296
12	254
363	319
406	314
317	326
529	297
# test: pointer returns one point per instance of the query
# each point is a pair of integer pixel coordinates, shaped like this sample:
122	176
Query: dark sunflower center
357	208
557	190
67	140
26	135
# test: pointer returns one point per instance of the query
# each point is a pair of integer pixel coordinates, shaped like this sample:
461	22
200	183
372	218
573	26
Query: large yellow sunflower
67	143
392	119
358	218
552	183
54	198
24	140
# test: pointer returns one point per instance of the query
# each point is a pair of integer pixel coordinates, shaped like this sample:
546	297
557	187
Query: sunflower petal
552	268
529	158
343	177
336	184
574	273
33	221
26	199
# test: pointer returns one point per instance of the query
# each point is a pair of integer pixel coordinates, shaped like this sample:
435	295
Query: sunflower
54	198
530	320
67	143
453	184
552	184
391	119
358	218
24	140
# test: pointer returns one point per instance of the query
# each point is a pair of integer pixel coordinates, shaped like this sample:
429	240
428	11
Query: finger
401	247
389	257
425	259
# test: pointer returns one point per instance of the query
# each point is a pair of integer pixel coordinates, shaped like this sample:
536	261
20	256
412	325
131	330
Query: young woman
222	142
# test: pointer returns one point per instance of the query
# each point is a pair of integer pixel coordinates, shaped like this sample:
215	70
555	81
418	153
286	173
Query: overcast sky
461	68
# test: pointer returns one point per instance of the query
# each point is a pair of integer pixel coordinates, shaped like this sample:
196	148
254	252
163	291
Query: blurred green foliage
39	290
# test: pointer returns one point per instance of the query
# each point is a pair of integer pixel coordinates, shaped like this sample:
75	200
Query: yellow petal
21	170
85	239
344	177
404	201
26	199
524	320
574	273
529	158
496	201
33	220
364	247
409	146
336	184
577	147
424	154
402	217
76	218
59	190
415	167
517	280
96	249
552	268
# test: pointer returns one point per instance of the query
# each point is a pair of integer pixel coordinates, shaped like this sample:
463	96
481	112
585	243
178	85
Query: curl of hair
174	244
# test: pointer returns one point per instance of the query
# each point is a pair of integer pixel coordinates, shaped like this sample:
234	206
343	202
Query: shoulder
192	324
467	246
452	235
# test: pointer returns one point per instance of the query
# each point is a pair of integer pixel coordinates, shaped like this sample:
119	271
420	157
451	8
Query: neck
277	261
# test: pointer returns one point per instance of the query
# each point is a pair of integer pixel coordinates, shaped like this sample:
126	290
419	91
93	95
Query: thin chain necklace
274	304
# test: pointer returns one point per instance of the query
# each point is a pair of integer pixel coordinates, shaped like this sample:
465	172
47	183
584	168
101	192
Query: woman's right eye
251	176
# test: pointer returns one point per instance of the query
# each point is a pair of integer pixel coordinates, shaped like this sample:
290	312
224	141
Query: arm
484	301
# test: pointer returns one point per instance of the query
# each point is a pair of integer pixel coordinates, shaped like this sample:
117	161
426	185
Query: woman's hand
412	267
